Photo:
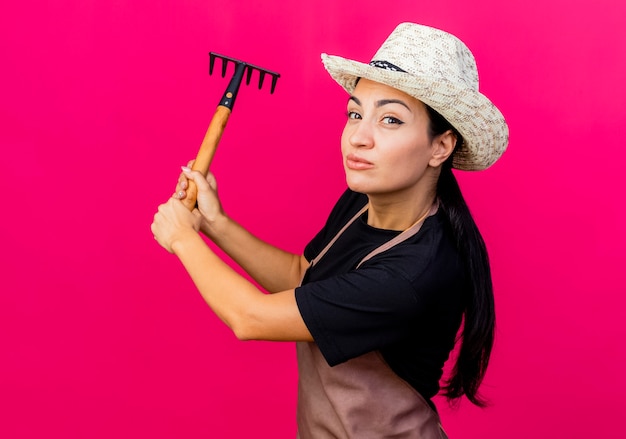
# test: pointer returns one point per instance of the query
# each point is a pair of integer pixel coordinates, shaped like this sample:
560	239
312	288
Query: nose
360	134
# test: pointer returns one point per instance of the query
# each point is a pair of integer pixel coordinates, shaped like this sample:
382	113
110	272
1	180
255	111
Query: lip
357	163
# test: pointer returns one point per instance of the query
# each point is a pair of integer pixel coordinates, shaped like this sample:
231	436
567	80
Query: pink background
101	332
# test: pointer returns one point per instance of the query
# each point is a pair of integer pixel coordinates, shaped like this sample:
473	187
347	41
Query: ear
443	146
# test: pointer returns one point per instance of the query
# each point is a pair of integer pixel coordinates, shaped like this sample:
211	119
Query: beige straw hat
438	69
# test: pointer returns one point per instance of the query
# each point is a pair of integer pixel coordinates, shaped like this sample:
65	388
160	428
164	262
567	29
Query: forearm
272	268
237	302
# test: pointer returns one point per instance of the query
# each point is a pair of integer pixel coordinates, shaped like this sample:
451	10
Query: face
385	143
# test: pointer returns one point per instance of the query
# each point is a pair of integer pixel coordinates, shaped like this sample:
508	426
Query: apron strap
406	234
411	231
339	233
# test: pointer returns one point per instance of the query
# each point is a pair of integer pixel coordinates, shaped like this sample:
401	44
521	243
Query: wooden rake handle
220	118
207	151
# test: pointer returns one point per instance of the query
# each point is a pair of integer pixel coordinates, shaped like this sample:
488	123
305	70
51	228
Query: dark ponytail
477	335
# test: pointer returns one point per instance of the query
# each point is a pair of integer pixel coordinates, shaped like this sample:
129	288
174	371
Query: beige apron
361	398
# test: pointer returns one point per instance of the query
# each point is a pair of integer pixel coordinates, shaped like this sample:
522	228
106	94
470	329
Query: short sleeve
359	311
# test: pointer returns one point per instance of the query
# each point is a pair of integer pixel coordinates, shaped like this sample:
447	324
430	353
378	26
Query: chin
371	189
362	187
356	184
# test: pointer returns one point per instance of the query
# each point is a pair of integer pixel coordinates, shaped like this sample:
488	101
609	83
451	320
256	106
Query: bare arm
274	269
238	303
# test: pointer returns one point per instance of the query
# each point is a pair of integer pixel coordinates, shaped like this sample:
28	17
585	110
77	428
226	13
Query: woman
378	297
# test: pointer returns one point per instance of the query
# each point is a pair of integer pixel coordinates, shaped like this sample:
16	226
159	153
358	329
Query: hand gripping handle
207	151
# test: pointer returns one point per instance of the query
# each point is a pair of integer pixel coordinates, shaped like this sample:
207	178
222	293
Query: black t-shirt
404	302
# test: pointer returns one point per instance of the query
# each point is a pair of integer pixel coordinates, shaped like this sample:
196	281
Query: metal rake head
249	68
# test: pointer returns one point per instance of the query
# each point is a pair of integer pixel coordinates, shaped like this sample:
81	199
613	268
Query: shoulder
348	204
429	261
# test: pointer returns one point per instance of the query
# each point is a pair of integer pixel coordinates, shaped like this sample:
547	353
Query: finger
164	211
182	182
154	228
210	178
197	177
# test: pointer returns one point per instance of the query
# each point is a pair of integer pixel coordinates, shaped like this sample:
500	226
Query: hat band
387	66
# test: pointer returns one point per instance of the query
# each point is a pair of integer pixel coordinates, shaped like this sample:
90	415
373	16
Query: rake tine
211	63
250	67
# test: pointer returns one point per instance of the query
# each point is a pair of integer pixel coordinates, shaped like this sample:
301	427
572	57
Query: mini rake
222	113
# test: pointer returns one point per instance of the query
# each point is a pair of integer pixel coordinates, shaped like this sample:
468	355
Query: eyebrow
381	102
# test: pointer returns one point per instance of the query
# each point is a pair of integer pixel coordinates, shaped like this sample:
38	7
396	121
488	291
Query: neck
398	213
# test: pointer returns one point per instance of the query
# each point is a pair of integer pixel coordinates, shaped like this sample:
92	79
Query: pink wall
101	332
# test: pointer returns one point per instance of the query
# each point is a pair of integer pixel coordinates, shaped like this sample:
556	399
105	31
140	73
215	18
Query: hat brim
477	119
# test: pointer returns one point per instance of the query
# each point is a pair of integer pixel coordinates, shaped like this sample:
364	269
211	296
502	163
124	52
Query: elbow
241	333
244	328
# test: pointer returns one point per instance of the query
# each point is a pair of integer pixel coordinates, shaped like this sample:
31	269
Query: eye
390	120
353	115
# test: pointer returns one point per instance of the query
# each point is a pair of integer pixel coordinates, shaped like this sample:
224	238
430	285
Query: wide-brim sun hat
438	69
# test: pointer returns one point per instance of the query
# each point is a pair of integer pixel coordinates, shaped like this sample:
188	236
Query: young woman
379	295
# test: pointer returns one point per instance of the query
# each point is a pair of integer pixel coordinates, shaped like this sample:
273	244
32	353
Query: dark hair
477	334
